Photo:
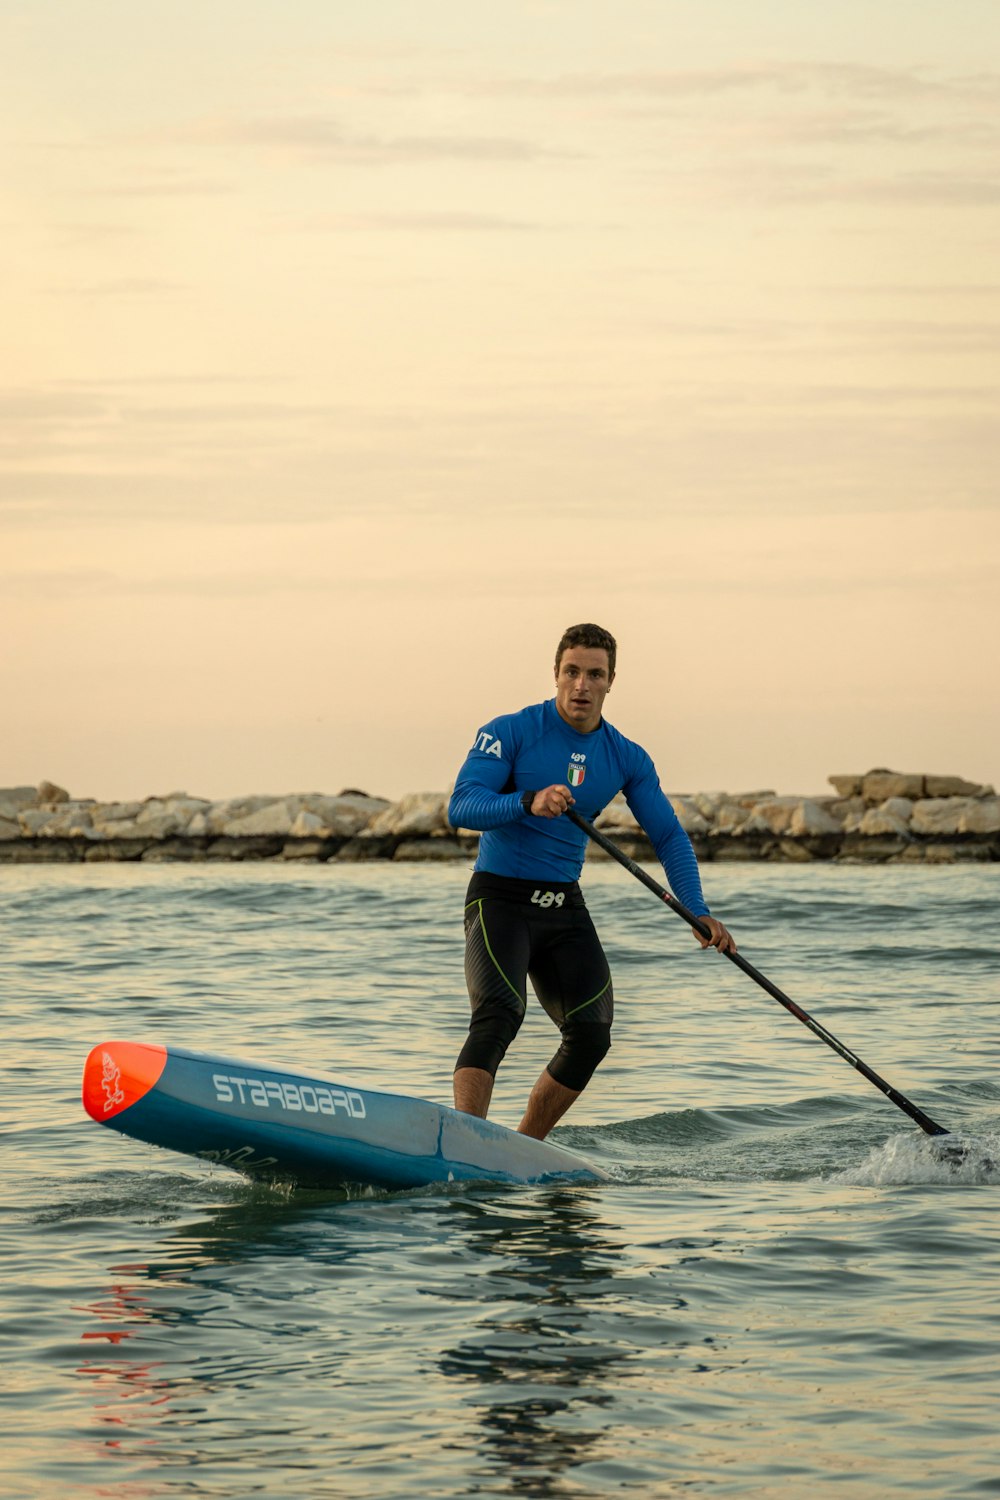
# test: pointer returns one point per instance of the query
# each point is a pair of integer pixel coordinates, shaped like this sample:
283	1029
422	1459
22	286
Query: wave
813	1138
948	1161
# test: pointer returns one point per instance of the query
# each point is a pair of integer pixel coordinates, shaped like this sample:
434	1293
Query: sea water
783	1291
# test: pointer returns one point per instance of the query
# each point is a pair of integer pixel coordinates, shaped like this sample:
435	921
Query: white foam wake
914	1158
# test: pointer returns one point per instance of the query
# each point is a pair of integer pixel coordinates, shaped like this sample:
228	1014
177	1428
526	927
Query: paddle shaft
816	1027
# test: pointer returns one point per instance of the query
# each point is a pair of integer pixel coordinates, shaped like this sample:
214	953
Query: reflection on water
536	1358
529	1380
780	1291
543	1318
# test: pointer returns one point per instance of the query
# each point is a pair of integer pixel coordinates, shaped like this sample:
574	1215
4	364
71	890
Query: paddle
900	1100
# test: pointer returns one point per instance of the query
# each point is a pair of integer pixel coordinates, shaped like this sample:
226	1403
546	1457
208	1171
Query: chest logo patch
577	769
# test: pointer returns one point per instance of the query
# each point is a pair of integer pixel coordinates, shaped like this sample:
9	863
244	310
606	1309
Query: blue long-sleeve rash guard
536	748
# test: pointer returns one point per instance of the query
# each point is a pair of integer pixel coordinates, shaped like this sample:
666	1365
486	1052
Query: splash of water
911	1158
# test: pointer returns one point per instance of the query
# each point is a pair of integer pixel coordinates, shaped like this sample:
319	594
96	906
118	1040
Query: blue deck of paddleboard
271	1121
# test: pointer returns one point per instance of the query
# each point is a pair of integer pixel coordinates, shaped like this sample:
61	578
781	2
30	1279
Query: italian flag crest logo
576	773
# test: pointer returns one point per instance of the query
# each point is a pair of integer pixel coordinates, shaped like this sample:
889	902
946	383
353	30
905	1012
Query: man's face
582	684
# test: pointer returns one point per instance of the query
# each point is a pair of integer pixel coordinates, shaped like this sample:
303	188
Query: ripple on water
782	1289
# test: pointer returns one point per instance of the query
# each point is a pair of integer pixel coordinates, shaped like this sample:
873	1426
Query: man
525	915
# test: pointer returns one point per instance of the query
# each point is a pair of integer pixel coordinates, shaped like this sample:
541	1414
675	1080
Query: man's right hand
552	802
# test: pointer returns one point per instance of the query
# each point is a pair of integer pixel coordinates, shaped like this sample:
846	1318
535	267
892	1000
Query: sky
353	352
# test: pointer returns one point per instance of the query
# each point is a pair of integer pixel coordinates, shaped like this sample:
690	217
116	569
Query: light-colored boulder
893	816
843	808
114	812
62	821
275	819
846	786
708	803
184	806
983	816
689	817
937	815
155	826
10	828
955	786
809	819
898	807
116	828
32	820
165	818
416	814
70	820
221	813
774	815
345	815
749	800
730	818
307	826
617	817
16	799
49	794
878	786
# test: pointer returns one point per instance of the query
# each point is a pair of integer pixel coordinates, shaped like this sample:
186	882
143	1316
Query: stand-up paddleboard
274	1122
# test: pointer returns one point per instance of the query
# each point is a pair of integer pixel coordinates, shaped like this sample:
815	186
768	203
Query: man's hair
592	636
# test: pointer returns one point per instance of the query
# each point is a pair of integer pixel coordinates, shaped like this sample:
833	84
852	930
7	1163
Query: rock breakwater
880	816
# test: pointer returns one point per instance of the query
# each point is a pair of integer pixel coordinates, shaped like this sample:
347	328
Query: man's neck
587	728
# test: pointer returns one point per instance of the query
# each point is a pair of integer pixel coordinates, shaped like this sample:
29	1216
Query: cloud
835	566
322	137
851	80
853	126
91	234
752	174
941	189
932	291
71	583
903	189
444	222
866	397
172	187
48	405
124	286
750	113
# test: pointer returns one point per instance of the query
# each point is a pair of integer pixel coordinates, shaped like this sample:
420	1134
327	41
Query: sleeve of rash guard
479	800
654	813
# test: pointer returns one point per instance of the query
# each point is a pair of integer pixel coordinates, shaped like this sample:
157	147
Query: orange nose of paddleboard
116	1074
